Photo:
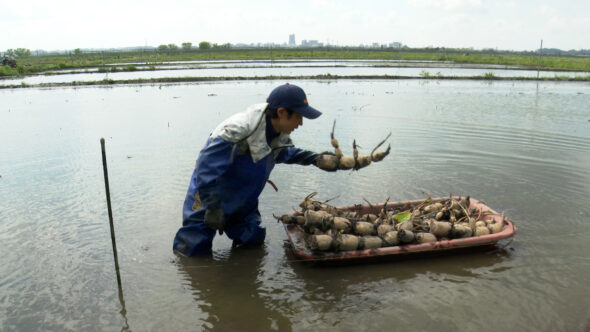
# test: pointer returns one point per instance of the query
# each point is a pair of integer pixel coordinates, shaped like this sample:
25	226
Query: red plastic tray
302	252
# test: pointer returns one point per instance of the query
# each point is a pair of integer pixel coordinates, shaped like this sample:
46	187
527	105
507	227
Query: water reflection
123	311
225	286
474	263
366	295
236	289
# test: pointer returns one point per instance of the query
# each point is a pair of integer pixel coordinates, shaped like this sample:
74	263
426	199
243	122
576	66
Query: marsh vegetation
31	64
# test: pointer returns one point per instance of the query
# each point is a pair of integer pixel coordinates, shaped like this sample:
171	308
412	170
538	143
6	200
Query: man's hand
327	161
214	219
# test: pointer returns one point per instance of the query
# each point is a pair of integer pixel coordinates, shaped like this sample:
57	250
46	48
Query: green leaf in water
402	216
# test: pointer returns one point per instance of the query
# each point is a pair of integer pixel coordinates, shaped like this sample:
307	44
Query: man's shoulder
239	125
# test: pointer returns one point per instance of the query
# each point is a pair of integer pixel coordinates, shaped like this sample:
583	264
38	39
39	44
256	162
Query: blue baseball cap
291	97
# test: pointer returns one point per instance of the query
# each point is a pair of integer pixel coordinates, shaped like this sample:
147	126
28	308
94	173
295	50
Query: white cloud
326	5
448	4
546	10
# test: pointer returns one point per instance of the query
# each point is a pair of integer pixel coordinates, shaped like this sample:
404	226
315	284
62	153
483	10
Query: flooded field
522	148
253	69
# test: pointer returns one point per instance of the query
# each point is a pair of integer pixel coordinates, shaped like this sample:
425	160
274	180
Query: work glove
327	161
214	219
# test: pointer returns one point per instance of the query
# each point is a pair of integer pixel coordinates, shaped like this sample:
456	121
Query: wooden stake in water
540	56
108	192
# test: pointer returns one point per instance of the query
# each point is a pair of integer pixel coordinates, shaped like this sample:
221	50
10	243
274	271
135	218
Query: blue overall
225	179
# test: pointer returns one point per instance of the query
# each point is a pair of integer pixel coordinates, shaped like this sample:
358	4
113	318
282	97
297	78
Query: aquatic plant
489	75
424	74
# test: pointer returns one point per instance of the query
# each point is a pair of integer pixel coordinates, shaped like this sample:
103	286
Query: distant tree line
556	51
205	45
187	46
18	52
168	48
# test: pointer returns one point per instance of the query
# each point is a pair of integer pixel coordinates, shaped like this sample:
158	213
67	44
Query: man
233	168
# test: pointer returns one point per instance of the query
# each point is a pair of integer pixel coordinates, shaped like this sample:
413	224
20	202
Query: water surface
522	148
253	69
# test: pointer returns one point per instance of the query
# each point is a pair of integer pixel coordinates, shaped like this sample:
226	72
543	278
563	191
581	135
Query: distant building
292	40
395	45
311	43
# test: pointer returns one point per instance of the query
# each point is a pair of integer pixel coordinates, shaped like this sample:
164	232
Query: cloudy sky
502	24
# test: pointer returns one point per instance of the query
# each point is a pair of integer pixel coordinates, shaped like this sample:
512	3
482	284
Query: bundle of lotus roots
328	228
338	161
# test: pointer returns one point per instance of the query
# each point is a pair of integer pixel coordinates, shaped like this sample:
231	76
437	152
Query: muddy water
521	148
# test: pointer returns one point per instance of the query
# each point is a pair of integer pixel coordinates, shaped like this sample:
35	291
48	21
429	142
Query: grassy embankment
116	61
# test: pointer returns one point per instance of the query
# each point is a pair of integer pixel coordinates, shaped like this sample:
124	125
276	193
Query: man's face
288	124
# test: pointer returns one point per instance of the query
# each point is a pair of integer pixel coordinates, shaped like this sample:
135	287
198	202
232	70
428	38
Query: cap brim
308	112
